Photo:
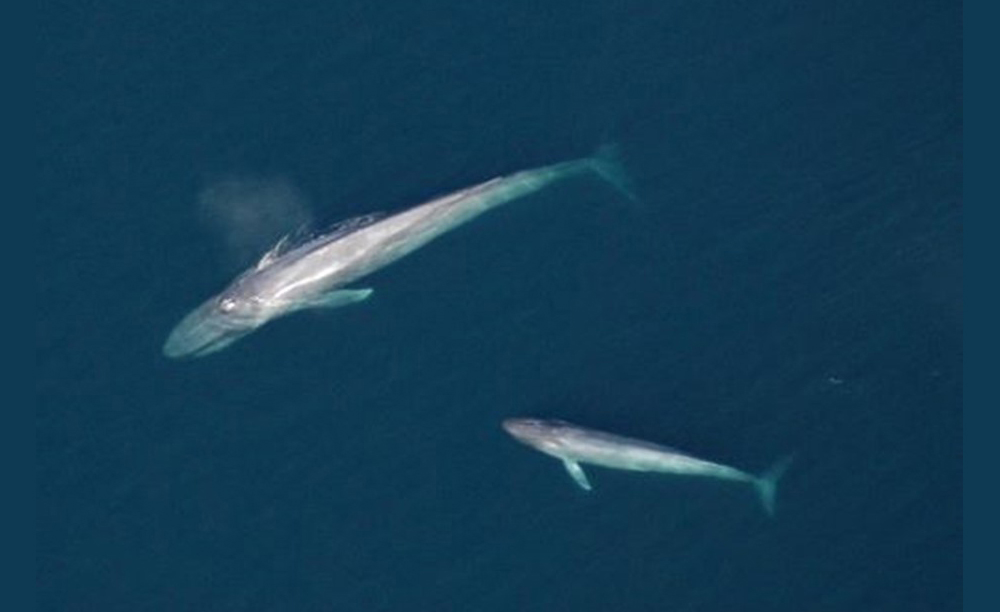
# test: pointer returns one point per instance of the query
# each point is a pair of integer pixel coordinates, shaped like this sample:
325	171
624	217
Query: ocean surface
788	280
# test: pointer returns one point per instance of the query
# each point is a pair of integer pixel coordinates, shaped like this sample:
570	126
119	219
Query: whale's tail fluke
767	483
607	163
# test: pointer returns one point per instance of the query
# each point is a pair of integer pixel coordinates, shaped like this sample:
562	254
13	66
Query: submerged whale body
574	445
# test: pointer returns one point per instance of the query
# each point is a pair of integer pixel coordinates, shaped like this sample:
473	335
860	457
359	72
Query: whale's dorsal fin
579	476
276	251
286	243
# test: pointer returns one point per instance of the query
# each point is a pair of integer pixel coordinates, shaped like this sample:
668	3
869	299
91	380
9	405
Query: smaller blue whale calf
574	445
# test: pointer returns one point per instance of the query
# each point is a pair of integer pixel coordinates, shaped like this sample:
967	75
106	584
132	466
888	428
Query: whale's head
213	326
543	434
524	429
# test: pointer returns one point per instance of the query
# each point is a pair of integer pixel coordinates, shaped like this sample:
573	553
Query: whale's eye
227	304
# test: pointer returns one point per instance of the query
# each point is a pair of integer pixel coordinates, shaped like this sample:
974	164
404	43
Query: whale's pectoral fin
337	298
579	476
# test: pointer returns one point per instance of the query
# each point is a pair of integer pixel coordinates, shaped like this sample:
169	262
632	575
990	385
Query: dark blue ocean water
789	281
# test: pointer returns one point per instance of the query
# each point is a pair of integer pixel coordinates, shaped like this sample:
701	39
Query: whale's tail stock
607	163
767	483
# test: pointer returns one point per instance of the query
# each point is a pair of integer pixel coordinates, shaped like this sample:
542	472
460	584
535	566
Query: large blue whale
316	273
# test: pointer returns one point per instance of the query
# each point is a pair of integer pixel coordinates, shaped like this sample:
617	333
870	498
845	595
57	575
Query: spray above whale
316	273
574	445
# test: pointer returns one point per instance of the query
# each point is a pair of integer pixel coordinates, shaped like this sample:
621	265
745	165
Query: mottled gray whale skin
574	445
315	274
